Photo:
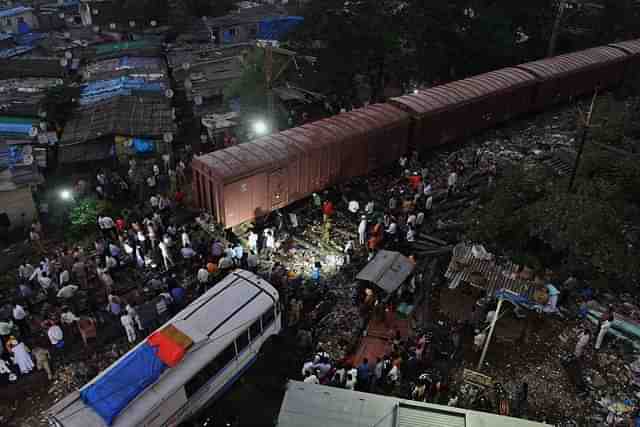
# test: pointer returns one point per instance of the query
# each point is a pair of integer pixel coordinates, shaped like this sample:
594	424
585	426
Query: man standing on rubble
452	181
583	340
604	328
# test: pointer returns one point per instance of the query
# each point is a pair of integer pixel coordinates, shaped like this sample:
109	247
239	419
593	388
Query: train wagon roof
211	321
551	67
262	154
629	46
461	91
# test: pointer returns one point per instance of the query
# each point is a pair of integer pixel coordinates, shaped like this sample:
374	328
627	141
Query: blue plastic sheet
17	128
143	146
103	89
277	28
109	395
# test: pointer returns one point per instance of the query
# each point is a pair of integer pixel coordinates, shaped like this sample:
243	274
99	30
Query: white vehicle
228	325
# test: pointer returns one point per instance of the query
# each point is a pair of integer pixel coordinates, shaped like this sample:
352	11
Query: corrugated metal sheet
629	46
464	267
388	270
461	91
409	416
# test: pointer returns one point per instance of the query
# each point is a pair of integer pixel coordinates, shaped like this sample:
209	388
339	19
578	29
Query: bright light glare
415	91
260	127
65	194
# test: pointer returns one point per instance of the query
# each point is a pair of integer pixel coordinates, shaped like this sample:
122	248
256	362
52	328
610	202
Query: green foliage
84	215
251	88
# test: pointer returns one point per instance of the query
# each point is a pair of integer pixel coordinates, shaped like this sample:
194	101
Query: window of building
242	341
268	318
255	330
210	370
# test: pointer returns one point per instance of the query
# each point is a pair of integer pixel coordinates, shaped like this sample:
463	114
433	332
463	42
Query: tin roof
241	160
312	405
388	270
462	91
550	67
629	46
464	267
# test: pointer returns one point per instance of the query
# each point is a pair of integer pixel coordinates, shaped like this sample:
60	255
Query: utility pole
586	124
488	339
556	28
268	75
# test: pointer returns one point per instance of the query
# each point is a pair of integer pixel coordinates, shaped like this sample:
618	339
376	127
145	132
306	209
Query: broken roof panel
387	269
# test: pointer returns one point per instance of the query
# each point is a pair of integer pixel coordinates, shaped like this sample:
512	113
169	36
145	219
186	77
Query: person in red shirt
327	209
179	197
414	180
121	224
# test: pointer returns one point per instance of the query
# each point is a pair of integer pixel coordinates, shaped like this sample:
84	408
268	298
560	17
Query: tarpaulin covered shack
388	270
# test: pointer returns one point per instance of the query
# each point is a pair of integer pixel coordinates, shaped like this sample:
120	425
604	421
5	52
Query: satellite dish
187	84
167	137
186	66
168	93
28	159
68	54
43	125
96	29
112	25
33	131
198	100
154	23
132	24
64	62
95	11
84	43
66	35
61	15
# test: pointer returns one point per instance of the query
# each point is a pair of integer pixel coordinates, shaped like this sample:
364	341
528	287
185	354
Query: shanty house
18	19
110	15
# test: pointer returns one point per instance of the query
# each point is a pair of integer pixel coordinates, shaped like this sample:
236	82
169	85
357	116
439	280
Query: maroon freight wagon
454	110
249	180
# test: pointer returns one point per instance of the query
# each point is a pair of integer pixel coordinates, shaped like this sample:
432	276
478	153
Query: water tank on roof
154	23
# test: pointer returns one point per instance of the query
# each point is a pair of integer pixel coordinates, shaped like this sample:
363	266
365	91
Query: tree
84	215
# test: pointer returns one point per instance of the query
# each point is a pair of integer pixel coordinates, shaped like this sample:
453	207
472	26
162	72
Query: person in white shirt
129	326
25	271
67	291
348	251
110	262
64	278
68	317
166	255
392	229
186	240
419	219
362	231
225	263
151	182
56	336
253	241
166	160
604	328
428	189
451	182
153	201
411	220
44	281
203	275
20	316
156	170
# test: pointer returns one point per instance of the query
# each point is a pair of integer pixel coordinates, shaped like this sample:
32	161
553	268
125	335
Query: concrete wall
17	202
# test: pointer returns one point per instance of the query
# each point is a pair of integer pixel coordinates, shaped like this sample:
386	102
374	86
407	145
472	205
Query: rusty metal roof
239	161
462	91
629	46
464	267
550	67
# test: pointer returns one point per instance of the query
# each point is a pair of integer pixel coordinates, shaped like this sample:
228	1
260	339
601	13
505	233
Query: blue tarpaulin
110	394
143	146
17	128
277	28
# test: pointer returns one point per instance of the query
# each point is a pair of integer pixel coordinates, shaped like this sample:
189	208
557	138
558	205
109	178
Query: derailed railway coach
249	180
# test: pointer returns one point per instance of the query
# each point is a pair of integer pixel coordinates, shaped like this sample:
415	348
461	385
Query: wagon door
278	188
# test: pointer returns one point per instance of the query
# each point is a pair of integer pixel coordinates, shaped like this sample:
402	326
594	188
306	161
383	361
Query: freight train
246	181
